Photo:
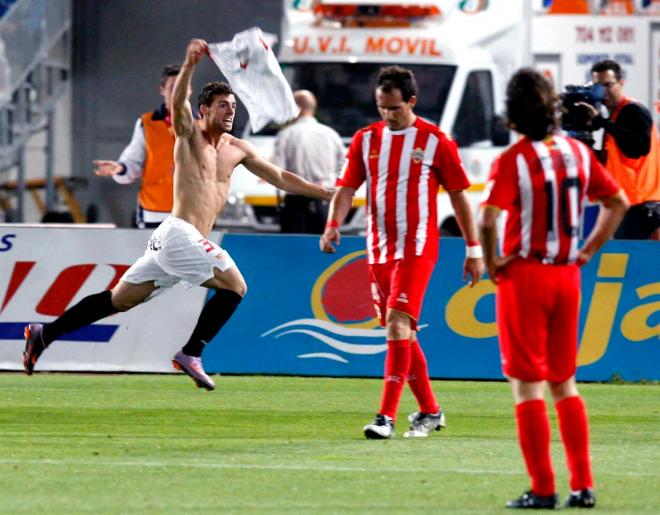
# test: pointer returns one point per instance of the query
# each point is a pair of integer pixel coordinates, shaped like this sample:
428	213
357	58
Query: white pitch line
251	466
246	466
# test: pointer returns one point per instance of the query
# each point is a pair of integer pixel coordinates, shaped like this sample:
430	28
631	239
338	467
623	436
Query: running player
205	155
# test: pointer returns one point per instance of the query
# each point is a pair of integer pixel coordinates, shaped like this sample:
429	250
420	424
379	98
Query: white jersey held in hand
254	74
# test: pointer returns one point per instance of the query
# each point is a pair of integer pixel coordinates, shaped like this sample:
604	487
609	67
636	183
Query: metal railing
35	57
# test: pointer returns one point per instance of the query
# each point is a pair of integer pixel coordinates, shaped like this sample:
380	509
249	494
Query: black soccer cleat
34	346
585	498
529	500
381	428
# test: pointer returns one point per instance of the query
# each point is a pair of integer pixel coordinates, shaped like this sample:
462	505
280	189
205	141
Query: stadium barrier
308	313
44	270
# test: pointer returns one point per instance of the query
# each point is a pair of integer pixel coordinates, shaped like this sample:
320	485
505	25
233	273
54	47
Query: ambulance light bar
372	14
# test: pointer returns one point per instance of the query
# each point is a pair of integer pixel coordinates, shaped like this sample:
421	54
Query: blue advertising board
308	313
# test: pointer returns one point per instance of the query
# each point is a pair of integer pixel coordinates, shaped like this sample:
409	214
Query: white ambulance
462	53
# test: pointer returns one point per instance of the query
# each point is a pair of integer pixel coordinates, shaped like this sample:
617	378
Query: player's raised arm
182	117
282	179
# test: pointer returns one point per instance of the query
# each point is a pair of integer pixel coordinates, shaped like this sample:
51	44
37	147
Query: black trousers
303	215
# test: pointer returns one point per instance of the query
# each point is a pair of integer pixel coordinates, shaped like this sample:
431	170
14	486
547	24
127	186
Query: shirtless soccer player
205	155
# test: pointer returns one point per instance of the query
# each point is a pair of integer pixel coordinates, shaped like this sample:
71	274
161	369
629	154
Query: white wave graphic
313	327
349	348
326	355
318	329
330	327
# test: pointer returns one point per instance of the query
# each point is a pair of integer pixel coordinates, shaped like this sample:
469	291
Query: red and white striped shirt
403	170
542	185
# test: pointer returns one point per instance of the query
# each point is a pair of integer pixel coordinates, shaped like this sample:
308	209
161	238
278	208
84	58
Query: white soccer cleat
421	424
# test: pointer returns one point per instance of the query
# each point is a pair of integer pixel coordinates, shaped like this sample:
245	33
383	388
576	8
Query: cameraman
631	152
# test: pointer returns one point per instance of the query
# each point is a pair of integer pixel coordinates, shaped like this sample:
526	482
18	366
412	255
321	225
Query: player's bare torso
202	177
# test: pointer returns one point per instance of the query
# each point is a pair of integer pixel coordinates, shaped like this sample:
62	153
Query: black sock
215	314
87	311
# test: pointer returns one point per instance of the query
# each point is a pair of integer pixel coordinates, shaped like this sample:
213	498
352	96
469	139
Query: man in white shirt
316	153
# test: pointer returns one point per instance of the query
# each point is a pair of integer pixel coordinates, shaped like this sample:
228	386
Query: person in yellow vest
149	157
631	152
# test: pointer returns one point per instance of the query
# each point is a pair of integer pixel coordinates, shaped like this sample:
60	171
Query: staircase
35	57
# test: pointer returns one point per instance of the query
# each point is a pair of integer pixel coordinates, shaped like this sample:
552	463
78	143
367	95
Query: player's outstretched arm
340	205
182	117
282	179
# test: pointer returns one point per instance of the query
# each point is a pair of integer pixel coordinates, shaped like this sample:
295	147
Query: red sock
574	428
534	439
418	379
397	364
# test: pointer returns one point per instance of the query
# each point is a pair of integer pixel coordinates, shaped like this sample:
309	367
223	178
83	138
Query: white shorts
176	251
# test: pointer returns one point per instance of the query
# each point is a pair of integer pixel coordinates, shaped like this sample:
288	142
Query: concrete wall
120	48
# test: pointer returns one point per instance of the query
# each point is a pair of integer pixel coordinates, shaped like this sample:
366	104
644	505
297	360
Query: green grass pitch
73	443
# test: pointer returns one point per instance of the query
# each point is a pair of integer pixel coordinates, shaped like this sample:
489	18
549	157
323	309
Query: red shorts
400	285
537	317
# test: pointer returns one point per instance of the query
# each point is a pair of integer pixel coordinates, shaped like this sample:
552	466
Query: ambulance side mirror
500	135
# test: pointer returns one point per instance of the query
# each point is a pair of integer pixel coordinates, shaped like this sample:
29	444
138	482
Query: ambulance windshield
345	92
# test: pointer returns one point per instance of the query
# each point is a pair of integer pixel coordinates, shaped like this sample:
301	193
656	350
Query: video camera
575	119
